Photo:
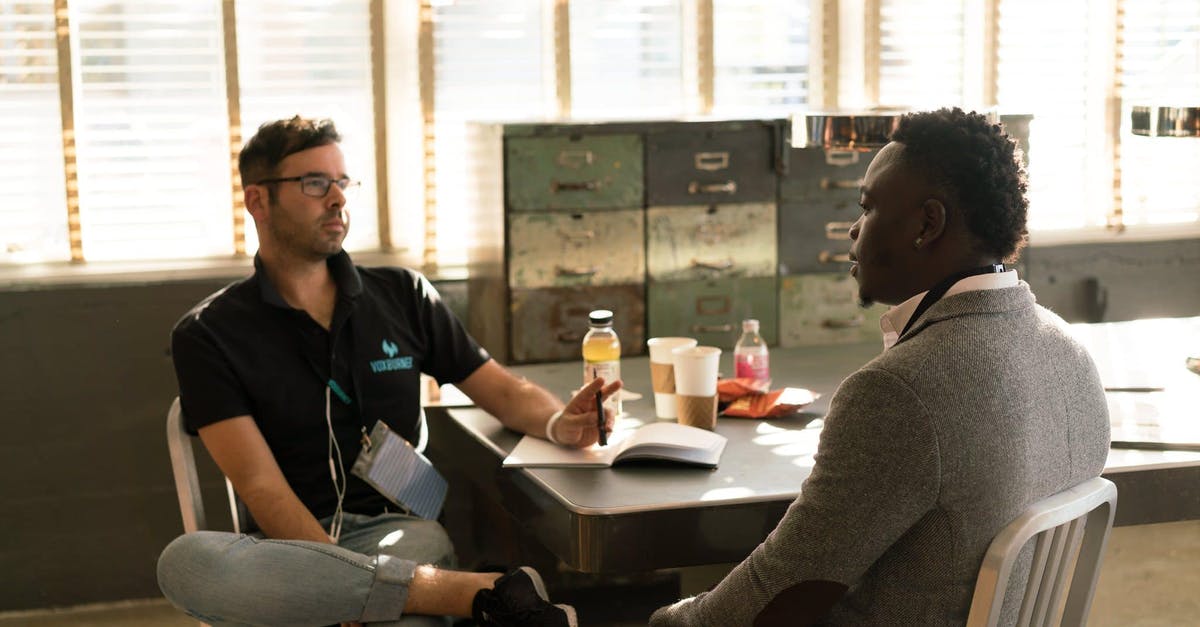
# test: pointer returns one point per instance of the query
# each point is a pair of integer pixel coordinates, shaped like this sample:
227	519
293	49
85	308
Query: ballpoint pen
600	419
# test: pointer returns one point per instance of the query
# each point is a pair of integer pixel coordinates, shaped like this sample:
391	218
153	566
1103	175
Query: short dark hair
274	141
978	166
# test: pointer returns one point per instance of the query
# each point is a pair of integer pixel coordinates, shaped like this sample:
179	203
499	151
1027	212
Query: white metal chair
1076	519
187	483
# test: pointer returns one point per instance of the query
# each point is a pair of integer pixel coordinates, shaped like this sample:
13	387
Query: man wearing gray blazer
979	405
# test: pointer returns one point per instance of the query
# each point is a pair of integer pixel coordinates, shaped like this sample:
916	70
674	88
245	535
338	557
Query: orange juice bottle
602	354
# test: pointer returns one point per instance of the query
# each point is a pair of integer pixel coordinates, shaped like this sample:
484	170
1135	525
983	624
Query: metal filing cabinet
558	229
818	202
711	230
560	226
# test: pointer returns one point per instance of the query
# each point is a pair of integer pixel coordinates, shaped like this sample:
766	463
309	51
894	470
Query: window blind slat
760	56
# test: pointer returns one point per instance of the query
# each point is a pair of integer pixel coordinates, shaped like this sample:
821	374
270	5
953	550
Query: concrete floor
1150	578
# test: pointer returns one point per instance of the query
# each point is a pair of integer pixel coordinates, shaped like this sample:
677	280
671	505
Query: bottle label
610	371
751	366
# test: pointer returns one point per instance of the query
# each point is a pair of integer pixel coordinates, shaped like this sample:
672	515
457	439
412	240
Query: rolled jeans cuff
389	589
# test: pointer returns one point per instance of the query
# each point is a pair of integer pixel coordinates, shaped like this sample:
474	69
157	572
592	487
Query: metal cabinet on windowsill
557	230
711	254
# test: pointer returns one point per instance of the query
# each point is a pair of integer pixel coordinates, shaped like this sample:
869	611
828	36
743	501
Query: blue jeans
236	579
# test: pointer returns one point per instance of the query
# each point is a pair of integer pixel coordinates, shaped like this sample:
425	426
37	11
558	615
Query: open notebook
665	441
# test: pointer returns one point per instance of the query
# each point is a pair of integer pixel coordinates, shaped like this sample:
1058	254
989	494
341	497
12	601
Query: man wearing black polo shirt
284	375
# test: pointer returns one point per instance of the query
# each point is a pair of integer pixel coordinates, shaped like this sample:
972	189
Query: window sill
1101	235
94	274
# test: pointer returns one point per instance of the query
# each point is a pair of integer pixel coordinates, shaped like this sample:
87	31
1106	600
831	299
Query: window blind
921	53
1046	54
626	58
32	198
760	56
1161	66
488	64
313	58
150	126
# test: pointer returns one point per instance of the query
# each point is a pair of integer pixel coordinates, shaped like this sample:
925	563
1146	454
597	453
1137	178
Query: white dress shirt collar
893	320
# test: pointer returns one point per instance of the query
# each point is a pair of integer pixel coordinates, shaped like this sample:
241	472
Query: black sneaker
519	599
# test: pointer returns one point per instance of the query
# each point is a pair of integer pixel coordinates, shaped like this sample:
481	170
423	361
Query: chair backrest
187	483
1078	518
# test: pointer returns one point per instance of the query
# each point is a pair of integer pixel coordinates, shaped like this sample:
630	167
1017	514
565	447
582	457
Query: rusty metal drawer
548	324
814	239
573	172
712	310
818	203
687	167
819	309
710	241
559	249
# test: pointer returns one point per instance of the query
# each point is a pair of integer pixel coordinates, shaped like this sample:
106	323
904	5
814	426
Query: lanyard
936	292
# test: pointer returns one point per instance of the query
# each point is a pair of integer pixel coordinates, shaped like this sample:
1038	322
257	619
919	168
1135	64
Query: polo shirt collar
341	267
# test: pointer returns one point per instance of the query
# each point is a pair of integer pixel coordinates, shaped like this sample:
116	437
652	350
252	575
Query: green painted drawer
573	172
816	309
558	249
549	324
712	310
711	241
731	163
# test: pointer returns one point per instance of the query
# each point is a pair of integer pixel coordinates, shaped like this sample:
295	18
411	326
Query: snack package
771	404
729	390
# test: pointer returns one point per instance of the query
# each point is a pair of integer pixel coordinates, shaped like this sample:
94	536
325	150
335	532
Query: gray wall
87	495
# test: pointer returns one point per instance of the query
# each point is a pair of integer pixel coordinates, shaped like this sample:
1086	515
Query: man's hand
577	426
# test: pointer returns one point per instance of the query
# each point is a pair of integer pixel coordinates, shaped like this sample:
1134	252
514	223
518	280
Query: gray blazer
984	406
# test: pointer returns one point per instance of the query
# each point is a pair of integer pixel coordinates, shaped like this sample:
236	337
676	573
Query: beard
307	240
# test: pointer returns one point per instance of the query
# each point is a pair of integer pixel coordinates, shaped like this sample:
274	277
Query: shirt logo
392	362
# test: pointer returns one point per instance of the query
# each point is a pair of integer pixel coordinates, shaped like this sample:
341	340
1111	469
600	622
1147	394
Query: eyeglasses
317	185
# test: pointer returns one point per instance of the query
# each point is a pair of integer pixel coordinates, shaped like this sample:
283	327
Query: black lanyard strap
936	292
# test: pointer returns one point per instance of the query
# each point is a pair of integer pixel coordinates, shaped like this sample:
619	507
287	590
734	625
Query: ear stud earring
917	243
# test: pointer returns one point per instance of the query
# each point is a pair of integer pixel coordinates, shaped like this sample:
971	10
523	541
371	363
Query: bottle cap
750	324
600	316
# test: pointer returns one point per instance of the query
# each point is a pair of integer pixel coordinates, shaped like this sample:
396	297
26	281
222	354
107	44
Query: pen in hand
600	419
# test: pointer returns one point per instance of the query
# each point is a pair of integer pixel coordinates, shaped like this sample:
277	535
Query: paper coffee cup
662	372
696	385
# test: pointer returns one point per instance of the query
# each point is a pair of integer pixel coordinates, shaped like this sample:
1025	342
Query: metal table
646	517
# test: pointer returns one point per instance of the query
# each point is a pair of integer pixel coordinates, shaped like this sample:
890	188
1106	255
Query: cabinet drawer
813	179
819	309
705	166
573	172
548	324
559	249
710	241
712	311
814	238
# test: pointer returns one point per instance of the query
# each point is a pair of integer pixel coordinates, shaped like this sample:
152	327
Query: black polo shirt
245	351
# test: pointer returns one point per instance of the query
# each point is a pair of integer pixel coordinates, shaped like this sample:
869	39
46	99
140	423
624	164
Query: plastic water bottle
750	358
602	354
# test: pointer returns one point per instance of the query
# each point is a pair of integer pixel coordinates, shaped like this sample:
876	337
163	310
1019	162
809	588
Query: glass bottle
750	358
602	354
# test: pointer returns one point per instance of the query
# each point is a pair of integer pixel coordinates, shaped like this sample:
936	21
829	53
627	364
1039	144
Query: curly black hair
274	141
978	166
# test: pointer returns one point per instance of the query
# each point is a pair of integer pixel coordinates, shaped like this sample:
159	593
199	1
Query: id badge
391	465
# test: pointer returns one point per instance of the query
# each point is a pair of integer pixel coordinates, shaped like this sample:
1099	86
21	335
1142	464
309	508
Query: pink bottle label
752	367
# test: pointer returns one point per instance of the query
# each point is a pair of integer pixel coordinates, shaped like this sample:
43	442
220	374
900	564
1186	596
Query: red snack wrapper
731	389
771	404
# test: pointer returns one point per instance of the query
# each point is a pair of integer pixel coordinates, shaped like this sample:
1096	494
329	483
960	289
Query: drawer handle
718	266
838	230
829	257
713	305
570	337
712	328
828	183
728	187
843	323
579	237
574	159
580	271
581	186
711	161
